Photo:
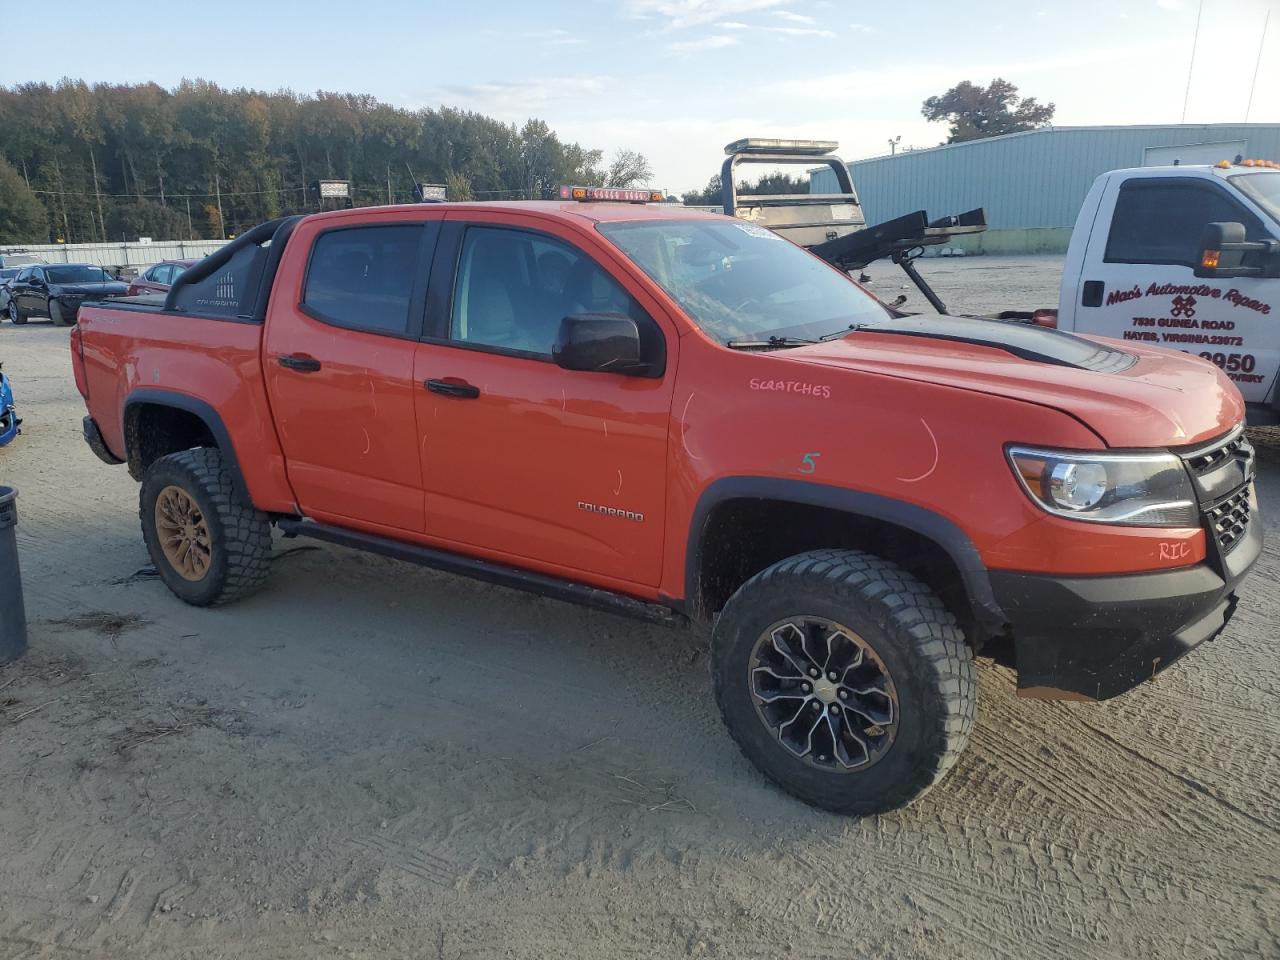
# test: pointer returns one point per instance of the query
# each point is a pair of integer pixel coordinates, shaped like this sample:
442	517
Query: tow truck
1144	244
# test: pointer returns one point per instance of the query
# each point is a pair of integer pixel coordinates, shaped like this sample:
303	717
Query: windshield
738	281
76	274
1262	188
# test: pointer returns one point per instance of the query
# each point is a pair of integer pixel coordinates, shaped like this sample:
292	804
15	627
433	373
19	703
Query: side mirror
1222	250
599	343
36	281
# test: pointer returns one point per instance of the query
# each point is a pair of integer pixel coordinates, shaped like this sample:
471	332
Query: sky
679	79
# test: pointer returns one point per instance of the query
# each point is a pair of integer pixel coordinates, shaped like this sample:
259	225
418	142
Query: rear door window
363	278
1161	220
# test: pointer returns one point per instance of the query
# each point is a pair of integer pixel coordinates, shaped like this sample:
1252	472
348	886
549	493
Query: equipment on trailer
832	225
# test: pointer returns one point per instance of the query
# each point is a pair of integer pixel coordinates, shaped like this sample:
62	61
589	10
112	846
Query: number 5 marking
809	465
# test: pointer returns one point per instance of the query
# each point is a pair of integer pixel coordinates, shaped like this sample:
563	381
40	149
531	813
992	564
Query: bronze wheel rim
183	533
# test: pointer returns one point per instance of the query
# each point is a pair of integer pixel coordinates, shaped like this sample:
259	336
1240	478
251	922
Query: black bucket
13	615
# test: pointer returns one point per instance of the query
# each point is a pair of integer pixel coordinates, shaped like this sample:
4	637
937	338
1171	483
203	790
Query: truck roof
1189	169
594	212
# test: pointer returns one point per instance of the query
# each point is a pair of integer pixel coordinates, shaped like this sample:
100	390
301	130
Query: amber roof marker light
610	195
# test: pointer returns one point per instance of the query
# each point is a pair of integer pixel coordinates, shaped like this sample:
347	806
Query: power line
1195	39
1257	63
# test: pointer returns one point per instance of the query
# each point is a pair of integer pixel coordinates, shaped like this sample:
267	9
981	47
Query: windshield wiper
766	344
836	334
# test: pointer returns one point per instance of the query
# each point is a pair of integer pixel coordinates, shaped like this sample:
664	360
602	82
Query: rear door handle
452	388
300	362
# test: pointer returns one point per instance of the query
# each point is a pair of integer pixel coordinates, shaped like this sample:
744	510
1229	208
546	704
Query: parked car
9	422
19	259
6	274
56	291
677	415
159	277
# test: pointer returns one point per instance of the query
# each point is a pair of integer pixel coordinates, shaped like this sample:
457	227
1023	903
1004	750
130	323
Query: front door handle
300	362
453	388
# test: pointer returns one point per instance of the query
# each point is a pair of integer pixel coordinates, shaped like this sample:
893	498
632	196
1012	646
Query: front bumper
1092	638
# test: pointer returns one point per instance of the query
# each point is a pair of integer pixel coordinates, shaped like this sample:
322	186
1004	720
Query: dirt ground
368	759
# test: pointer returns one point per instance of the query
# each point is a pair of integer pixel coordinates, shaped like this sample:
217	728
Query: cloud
516	99
1169	4
714	42
556	36
794	17
692	13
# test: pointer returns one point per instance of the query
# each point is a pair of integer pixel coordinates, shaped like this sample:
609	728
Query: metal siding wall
1035	179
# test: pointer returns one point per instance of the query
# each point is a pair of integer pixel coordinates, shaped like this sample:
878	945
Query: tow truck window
1262	188
362	278
740	281
1160	220
514	287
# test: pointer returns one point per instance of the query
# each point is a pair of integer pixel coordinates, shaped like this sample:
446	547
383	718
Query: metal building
1032	184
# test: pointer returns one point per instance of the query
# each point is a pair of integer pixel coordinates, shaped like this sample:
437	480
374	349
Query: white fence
118	254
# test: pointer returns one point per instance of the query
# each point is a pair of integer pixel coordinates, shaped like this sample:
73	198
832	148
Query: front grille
1229	518
1222	473
1203	460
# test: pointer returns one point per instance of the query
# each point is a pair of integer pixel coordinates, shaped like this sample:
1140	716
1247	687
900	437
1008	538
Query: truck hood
1129	396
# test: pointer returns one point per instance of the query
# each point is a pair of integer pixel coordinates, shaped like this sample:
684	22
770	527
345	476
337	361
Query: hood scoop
1027	342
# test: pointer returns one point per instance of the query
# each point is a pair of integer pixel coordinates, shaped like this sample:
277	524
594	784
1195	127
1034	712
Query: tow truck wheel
57	316
845	680
208	544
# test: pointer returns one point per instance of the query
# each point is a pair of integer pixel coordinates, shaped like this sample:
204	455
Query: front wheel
845	680
15	315
207	542
57	315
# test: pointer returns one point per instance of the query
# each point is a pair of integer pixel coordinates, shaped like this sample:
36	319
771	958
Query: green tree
628	168
976	112
22	218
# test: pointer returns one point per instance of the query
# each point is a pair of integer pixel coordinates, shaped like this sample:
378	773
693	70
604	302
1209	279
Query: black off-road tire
15	313
239	534
57	315
905	625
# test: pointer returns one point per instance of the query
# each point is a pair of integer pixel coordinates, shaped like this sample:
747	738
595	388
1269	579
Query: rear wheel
844	680
208	544
15	315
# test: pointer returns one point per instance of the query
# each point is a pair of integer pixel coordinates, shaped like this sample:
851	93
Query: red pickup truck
672	414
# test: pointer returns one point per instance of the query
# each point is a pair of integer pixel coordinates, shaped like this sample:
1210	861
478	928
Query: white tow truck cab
1185	257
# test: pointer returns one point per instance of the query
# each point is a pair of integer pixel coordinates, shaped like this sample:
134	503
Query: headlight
1140	490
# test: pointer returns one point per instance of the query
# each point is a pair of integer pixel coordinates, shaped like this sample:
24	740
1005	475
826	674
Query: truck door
1138	282
338	361
521	458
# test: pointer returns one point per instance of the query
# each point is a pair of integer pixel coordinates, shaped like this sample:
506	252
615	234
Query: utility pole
217	189
191	231
28	179
101	219
389	200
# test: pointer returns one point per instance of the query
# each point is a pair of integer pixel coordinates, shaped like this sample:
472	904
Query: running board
498	573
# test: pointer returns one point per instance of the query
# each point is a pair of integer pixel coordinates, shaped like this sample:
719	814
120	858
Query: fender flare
933	526
198	408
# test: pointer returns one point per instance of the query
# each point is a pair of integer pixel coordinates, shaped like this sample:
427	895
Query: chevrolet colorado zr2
679	415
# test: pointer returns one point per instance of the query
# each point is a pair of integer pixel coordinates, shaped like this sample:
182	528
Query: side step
498	573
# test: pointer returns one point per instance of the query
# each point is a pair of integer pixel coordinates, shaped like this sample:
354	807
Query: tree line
82	163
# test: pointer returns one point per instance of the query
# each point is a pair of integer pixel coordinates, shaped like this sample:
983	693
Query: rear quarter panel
215	361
